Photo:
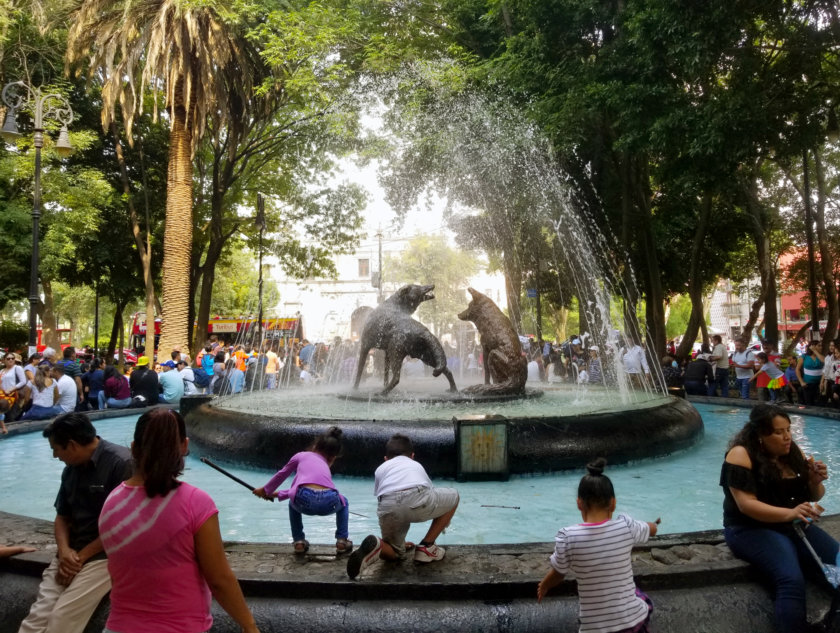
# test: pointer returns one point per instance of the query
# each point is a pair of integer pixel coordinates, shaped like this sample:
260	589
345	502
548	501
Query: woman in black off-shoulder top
768	484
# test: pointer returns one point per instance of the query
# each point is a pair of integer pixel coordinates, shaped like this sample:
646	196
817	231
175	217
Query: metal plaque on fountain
481	447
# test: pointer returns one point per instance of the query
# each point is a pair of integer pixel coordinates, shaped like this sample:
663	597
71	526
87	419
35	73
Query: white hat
594	348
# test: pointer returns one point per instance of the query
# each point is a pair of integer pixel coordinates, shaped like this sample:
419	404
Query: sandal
301	547
343	546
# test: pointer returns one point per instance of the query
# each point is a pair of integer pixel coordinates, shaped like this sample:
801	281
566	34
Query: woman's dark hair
759	426
95	363
157	450
110	372
219	357
329	444
595	489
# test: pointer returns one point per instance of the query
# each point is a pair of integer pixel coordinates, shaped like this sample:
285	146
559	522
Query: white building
327	305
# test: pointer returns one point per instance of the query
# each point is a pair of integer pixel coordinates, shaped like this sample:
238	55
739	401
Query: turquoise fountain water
682	489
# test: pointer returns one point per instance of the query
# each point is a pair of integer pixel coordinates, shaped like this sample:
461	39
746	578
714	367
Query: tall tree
197	55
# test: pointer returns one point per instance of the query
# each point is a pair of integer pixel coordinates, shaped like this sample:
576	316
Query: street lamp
17	95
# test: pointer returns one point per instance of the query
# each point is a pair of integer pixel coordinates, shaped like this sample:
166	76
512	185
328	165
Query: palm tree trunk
177	239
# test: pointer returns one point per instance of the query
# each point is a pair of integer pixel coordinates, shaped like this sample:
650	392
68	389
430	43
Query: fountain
248	429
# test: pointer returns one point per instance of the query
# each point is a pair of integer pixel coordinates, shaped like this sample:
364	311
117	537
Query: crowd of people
47	386
804	376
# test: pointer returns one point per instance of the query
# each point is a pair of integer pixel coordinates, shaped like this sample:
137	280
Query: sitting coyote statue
504	363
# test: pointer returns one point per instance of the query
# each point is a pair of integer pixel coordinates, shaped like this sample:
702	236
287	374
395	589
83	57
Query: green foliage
13	335
428	259
678	315
236	291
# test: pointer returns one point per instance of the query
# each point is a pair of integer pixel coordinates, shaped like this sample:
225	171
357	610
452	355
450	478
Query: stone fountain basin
537	444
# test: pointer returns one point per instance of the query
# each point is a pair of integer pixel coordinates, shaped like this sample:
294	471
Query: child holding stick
312	491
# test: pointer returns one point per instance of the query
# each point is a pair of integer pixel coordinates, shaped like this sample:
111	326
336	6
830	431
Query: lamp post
17	95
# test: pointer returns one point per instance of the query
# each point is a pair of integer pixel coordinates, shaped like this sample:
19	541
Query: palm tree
193	54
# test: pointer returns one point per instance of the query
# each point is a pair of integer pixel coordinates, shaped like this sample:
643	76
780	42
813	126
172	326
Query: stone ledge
695	583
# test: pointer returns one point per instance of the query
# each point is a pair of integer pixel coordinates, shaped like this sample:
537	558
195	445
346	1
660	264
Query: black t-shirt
144	382
84	489
699	370
782	493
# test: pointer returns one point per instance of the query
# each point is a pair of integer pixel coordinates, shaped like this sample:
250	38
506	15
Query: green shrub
13	336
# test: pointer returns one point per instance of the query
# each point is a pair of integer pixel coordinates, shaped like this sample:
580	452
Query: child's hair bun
596	467
335	432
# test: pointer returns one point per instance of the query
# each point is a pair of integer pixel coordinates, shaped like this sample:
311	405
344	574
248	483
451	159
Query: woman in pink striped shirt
165	552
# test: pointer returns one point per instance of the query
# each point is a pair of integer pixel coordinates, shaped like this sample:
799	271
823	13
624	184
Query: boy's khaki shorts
398	510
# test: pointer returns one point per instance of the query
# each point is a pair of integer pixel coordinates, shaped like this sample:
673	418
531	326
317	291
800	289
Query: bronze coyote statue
503	359
391	328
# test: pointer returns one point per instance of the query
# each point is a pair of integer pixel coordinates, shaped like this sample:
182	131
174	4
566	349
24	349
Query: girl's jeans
113	403
781	557
318	503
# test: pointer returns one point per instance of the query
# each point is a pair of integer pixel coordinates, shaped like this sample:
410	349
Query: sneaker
367	553
428	553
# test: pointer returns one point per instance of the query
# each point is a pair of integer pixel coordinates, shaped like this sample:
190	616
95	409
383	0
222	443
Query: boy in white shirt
406	495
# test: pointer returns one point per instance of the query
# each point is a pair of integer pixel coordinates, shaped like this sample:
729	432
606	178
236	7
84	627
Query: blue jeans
318	503
743	385
113	403
781	556
41	413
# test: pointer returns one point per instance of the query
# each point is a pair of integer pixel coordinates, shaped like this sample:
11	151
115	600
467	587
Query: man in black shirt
77	579
144	383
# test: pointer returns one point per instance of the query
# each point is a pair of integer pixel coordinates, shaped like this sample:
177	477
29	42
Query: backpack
202	379
222	386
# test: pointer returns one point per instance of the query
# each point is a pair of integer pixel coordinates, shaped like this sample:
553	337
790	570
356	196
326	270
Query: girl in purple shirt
312	491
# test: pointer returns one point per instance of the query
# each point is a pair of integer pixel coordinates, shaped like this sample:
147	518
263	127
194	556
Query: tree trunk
177	240
696	320
558	318
513	289
116	328
654	313
761	237
49	336
826	261
631	300
144	246
223	179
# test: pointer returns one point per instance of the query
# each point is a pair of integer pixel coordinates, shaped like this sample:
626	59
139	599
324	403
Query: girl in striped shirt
597	552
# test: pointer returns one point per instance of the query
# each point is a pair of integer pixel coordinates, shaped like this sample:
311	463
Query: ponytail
595	489
329	444
157	450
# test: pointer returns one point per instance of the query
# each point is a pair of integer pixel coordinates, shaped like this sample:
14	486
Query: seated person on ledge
77	578
768	485
406	495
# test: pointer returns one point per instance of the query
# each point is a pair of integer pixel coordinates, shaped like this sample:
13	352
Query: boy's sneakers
367	553
428	553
